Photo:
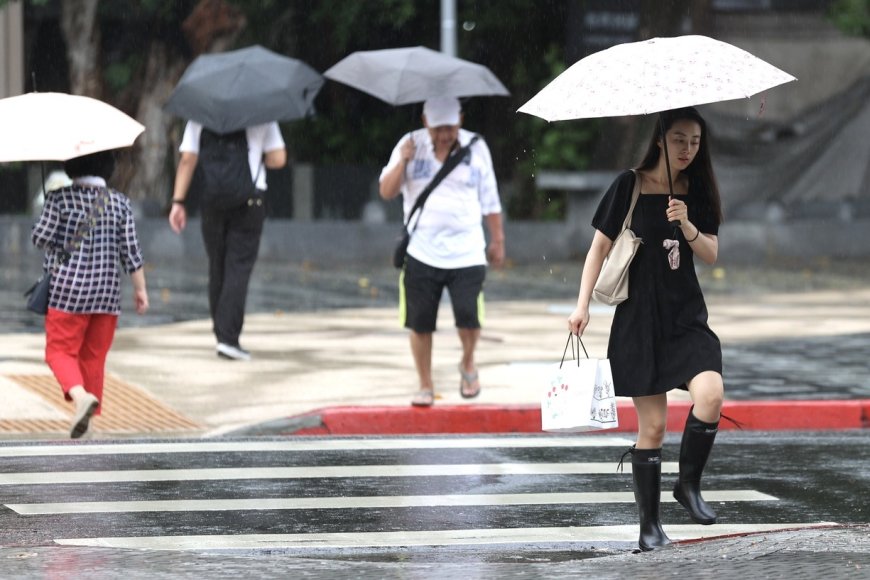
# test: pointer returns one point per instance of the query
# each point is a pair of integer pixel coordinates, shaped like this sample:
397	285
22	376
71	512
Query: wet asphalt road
369	506
815	477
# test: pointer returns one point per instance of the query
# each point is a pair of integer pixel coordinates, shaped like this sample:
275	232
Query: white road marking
350	471
315	444
359	502
474	537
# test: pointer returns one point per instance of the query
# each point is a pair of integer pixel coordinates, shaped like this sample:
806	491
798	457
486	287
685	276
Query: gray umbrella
232	90
411	75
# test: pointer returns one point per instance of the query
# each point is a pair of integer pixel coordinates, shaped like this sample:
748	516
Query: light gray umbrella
232	90
411	75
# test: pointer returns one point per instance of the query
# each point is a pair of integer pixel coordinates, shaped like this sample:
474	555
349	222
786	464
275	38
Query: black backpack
224	172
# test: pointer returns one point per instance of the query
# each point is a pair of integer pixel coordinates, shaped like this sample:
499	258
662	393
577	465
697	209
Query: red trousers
76	346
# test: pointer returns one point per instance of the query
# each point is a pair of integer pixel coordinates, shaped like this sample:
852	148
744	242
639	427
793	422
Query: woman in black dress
659	339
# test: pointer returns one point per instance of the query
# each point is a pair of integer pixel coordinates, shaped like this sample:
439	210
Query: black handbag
37	295
401	251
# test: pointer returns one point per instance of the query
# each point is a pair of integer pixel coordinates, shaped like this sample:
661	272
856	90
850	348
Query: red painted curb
408	420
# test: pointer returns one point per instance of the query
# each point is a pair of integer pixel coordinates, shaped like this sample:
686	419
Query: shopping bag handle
571	342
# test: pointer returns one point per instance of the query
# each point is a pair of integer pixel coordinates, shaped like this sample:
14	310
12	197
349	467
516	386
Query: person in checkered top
85	294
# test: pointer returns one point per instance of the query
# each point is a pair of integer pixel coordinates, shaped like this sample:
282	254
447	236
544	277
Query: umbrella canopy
400	76
654	75
58	126
240	88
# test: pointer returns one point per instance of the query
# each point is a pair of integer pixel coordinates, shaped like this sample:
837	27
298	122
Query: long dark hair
701	168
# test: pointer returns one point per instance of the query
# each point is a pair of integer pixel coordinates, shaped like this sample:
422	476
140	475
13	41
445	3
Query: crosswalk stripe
316	445
315	541
327	471
371	502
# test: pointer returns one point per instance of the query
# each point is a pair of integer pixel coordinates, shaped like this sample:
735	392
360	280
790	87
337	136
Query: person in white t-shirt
447	247
232	236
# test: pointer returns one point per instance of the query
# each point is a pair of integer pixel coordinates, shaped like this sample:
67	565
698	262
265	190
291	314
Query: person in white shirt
447	247
231	236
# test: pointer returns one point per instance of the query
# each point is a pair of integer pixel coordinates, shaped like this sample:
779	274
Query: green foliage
852	16
565	145
521	41
350	127
118	75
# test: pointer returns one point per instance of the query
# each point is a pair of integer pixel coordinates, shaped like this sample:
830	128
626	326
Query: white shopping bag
579	397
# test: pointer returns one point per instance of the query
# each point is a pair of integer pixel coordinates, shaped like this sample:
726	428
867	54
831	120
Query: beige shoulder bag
612	284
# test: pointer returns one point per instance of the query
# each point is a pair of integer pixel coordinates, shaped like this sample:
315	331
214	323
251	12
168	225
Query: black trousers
232	241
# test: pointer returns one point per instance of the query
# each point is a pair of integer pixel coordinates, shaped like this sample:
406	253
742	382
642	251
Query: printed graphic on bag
602	393
579	398
554	392
605	412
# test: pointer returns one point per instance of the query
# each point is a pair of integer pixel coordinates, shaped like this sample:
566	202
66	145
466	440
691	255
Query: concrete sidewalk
166	380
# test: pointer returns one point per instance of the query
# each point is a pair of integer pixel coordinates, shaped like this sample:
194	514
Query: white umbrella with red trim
60	126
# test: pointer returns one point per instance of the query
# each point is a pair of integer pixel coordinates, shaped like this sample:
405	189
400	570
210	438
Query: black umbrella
232	90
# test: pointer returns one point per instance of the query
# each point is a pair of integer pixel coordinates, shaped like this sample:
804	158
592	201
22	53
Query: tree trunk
150	179
146	174
82	33
212	24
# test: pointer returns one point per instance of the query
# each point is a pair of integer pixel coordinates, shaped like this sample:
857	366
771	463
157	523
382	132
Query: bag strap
449	165
635	194
259	169
97	209
571	342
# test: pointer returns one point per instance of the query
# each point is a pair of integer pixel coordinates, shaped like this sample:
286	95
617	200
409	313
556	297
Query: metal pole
448	27
11	49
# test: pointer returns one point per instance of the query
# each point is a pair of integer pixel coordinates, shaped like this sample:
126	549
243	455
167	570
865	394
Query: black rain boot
646	469
697	442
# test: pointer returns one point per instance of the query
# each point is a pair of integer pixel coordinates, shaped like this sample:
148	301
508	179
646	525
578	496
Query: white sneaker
85	409
232	352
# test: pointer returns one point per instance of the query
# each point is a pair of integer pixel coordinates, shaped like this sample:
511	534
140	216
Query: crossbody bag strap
449	165
97	209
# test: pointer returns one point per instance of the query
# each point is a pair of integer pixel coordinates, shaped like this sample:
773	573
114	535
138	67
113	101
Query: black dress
659	339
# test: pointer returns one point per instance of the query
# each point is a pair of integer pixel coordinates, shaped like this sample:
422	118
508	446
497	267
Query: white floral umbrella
654	75
59	126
